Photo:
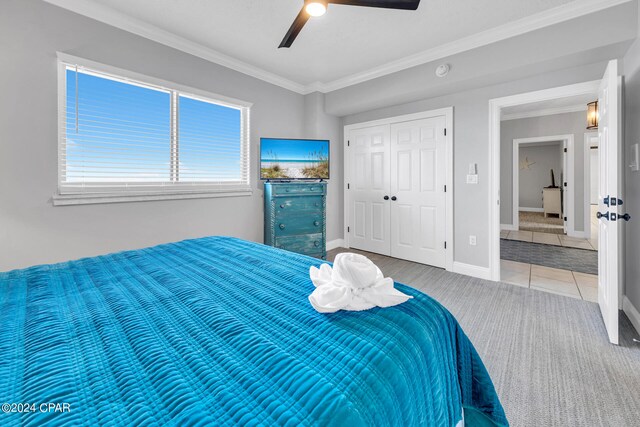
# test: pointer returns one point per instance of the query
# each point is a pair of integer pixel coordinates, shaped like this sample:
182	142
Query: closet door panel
418	158
369	212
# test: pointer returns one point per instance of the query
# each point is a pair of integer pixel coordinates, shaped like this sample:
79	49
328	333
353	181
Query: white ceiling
335	50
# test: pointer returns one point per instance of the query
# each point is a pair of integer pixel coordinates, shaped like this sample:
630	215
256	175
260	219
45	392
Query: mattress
219	331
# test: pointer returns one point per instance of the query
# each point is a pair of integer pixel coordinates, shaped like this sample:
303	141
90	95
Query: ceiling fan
319	7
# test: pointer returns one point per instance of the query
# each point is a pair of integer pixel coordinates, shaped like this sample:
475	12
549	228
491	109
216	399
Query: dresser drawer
299	189
288	225
307	244
301	204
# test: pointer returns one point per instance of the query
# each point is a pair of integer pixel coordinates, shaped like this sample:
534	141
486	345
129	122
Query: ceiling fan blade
388	4
295	29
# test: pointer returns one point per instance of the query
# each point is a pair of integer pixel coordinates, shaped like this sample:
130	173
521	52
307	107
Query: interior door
609	225
369	185
418	162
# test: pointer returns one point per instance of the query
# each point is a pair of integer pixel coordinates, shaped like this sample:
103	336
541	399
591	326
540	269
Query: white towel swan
354	283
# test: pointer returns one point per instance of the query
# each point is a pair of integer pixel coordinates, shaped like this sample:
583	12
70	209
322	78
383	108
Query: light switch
472	179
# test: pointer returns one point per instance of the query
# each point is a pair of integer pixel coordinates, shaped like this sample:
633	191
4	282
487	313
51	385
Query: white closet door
369	184
418	162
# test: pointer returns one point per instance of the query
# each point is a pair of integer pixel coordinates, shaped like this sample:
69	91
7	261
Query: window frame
129	192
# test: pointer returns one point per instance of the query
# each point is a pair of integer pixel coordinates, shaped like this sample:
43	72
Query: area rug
535	221
580	260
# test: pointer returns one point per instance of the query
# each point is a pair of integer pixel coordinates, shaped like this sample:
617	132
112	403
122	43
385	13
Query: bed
219	331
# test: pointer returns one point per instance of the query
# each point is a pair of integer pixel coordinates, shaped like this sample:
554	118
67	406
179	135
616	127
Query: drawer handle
316	223
316	243
281	226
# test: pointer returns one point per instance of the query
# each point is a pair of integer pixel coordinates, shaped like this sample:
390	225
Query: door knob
612	201
600	215
316	223
394	198
282	226
626	216
386	197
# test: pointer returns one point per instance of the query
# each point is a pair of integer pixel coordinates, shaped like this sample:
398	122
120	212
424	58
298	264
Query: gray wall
32	231
559	124
632	179
319	125
534	179
471	145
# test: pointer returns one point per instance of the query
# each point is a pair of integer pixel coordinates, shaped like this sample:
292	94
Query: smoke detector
442	70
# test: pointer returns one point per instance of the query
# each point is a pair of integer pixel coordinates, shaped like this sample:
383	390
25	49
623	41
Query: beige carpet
535	221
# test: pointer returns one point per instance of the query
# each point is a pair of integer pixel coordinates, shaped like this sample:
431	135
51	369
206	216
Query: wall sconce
592	115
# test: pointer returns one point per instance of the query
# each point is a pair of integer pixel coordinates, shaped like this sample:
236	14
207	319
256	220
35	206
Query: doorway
541	249
610	235
540	201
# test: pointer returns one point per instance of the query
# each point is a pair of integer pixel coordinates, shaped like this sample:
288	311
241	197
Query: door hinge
348	186
445	188
445	245
348	229
565	150
445	131
565	184
348	143
565	218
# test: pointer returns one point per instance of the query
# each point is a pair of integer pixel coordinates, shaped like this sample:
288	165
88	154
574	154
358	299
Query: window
127	138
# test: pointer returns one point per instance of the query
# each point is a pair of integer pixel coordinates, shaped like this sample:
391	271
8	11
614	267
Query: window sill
97	198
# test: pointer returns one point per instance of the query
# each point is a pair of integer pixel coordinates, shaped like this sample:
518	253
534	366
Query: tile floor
550	239
562	282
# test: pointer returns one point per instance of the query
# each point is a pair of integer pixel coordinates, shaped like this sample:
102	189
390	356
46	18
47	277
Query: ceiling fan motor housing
319	7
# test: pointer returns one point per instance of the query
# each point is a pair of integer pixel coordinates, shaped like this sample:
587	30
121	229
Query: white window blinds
121	136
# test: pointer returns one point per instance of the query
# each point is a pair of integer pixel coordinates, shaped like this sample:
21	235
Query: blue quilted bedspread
219	331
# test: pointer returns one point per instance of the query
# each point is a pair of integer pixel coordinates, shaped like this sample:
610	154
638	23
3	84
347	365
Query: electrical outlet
472	240
472	179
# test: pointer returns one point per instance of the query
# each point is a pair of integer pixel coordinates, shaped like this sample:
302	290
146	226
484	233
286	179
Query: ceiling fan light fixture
316	7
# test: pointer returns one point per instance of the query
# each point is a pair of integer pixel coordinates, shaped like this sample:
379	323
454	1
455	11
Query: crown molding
120	20
545	112
540	20
530	23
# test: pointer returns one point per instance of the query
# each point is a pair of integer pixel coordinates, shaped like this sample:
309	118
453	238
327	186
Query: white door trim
448	114
587	182
568	141
495	111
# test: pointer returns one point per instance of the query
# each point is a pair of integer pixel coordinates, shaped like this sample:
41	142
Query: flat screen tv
286	159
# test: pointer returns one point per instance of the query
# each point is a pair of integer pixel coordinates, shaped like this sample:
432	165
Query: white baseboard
521	209
472	270
509	227
337	243
632	313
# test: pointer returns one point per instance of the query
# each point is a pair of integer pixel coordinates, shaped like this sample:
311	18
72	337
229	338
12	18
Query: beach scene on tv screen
294	159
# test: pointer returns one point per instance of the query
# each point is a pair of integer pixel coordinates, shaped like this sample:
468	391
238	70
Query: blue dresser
294	217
